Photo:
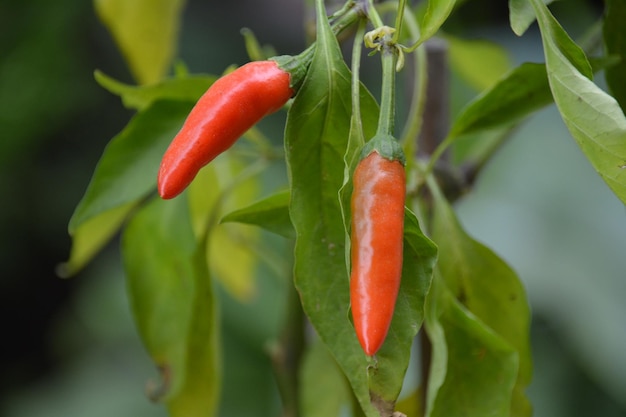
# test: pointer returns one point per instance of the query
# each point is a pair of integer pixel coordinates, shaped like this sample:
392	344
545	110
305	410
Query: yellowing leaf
231	257
146	31
90	236
412	405
186	88
125	174
480	63
233	260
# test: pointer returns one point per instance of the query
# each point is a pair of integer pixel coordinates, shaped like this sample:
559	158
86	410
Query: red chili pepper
376	252
232	105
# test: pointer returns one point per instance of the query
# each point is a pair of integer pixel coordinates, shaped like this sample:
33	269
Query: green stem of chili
413	124
356	82
388	94
437	153
373	15
346	16
399	19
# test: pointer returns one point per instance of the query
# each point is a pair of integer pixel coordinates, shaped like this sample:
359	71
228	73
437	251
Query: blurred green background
69	347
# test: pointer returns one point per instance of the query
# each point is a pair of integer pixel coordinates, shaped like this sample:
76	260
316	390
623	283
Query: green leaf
157	248
435	15
316	141
485	121
316	135
316	138
480	63
256	51
556	40
522	91
475	150
270	213
173	306
593	117
128	167
232	256
521	15
488	288
412	404
472	370
139	97
615	42
146	31
125	174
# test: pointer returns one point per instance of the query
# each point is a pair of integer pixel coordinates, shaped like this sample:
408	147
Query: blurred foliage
44	81
145	31
48	107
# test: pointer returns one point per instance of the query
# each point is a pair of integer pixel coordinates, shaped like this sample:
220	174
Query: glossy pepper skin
232	105
376	246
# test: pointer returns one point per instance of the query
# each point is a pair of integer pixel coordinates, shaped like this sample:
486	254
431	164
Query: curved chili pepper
376	246
232	105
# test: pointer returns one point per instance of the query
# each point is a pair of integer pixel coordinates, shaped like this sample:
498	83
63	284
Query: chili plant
380	268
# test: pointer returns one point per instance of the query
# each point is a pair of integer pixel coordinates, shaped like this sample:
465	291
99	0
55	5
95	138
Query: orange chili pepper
231	106
376	246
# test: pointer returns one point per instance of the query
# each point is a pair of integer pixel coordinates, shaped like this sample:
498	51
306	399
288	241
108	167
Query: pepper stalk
384	142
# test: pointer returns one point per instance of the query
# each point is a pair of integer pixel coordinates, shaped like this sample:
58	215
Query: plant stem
399	20
356	82
349	14
426	352
373	15
386	120
415	116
